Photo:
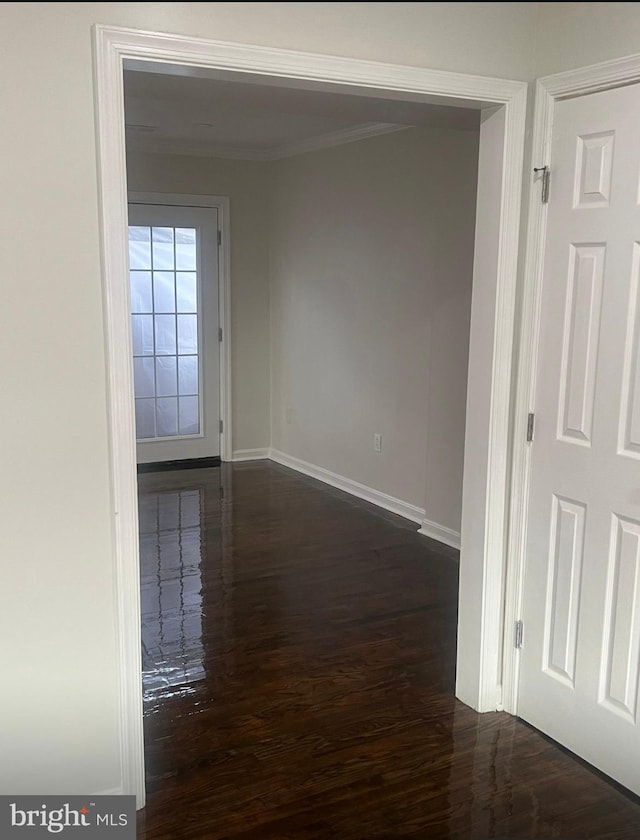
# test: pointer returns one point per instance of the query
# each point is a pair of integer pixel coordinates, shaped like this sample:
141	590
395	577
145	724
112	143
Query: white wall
247	185
371	267
56	588
574	35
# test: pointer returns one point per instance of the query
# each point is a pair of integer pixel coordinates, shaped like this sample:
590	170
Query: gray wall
371	267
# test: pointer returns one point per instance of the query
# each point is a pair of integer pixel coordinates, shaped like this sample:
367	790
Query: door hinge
219	238
219	333
221	427
531	419
518	634
546	174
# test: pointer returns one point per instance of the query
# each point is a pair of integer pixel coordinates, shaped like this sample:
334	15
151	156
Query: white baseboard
440	533
250	454
376	497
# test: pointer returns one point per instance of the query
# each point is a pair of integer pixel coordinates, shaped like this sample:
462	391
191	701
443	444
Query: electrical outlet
377	443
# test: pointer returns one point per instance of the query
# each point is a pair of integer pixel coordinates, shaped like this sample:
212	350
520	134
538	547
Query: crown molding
149	144
335	138
592	78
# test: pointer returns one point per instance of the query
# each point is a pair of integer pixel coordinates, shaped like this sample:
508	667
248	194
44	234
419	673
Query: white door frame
221	204
549	90
484	527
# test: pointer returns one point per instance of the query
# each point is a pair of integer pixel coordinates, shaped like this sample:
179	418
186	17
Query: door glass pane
189	420
164	291
166	416
187	375
187	334
144	377
164	320
166	380
185	249
162	238
139	248
142	328
145	419
165	335
141	294
187	297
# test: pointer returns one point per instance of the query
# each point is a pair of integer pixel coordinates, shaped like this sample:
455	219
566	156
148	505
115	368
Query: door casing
489	416
549	90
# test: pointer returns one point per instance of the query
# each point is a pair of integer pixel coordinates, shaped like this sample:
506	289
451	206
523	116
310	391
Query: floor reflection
171	552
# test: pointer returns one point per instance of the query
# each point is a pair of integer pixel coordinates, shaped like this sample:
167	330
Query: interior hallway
299	656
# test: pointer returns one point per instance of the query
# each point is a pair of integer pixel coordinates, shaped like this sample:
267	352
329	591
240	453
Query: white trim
222	205
335	138
440	533
525	389
116	791
436	86
592	78
250	454
492	630
113	46
177	199
109	101
226	384
354	488
549	89
148	144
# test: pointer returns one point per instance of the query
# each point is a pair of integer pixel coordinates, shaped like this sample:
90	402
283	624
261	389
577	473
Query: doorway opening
502	107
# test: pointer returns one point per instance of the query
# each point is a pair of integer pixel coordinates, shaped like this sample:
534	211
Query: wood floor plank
299	669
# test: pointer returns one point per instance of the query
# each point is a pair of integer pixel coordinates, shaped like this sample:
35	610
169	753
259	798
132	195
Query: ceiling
222	118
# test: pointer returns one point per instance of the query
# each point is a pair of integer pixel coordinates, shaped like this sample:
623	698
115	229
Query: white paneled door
581	646
173	269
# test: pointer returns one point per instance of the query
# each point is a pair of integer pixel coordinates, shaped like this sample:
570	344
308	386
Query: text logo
66	816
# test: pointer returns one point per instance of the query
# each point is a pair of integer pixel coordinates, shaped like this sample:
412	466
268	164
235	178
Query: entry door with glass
173	262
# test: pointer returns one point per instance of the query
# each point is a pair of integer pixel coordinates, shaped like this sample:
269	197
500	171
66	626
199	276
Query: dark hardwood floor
299	658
